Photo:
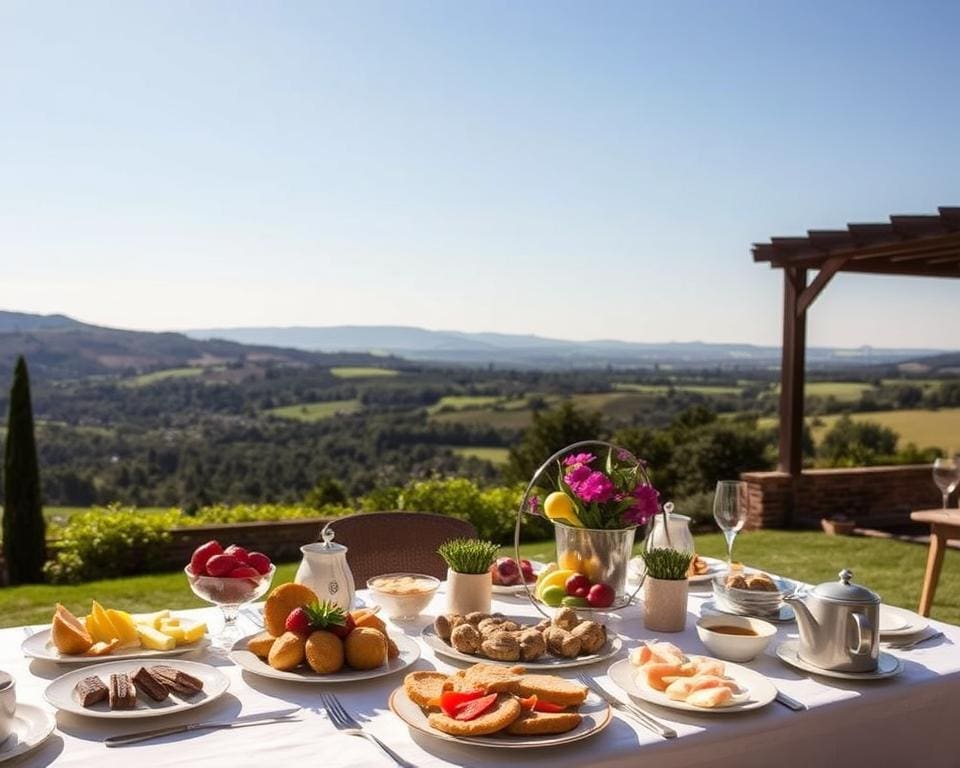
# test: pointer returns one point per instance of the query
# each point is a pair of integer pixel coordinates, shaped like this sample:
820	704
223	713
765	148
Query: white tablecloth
913	719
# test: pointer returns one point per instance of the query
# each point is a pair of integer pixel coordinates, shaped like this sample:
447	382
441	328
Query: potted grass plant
665	589
469	585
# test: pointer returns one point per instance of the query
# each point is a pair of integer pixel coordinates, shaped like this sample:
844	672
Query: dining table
910	719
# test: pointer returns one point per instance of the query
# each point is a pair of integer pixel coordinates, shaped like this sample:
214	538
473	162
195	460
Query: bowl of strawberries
228	577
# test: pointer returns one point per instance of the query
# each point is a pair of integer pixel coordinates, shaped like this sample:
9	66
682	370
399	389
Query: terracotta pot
665	604
837	527
468	592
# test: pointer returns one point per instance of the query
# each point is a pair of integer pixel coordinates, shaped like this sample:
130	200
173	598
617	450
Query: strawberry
238	552
328	616
342	630
244	572
198	561
221	565
298	621
259	561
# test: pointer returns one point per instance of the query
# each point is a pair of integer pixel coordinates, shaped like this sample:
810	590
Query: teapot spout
806	622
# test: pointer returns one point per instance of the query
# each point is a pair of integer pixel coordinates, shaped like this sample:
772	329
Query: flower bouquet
596	495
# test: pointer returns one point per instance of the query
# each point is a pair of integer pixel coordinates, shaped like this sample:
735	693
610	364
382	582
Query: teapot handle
864	635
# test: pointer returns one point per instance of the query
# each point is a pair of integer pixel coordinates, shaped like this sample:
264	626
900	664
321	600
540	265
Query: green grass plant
362	372
326	409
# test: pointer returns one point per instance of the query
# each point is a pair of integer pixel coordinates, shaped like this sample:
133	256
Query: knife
789	702
264	718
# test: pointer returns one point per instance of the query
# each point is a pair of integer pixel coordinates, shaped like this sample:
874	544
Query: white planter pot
468	592
665	604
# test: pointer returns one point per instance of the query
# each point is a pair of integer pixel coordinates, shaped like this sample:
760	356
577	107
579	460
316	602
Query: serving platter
39	646
757	690
888	665
60	692
611	648
249	661
595	712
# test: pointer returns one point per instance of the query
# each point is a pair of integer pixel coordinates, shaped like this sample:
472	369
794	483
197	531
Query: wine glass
230	595
730	511
946	474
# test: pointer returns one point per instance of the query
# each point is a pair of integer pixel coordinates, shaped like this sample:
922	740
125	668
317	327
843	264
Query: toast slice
540	723
556	690
487	677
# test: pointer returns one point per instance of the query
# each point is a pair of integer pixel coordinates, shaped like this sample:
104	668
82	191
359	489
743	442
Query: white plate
596	716
38	646
60	692
783	616
888	665
899	622
31	726
758	690
409	653
513	589
611	648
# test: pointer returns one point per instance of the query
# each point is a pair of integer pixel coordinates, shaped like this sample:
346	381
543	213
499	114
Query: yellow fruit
154	639
99	624
593	568
172	630
560	508
556	579
125	626
193	632
151	619
67	634
571	561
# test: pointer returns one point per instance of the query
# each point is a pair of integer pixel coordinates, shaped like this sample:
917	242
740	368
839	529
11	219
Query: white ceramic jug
324	569
678	526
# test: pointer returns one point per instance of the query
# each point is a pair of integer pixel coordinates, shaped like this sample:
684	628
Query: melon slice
68	634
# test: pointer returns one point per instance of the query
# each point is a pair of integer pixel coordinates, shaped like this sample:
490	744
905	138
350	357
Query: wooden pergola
914	246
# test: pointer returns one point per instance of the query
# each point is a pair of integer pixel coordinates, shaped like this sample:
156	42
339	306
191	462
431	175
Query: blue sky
578	170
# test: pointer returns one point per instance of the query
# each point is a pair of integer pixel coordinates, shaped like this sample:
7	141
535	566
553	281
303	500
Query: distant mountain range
537	352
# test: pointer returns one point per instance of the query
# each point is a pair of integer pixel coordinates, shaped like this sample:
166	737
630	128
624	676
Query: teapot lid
843	591
329	546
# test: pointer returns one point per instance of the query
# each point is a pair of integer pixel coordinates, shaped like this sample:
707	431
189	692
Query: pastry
532	645
287	652
122	693
261	644
591	635
90	691
501	646
146	682
176	680
324	652
366	648
562	643
466	638
566	618
280	604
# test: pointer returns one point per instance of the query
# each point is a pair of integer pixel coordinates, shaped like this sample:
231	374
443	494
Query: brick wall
280	540
875	497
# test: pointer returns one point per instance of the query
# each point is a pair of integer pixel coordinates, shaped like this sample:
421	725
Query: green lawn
170	373
894	569
317	411
496	456
362	372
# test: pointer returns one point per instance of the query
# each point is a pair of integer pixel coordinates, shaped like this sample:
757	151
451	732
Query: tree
852	443
24	534
551	430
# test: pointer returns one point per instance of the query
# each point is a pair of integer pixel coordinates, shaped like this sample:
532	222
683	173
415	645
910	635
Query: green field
505	419
843	391
362	372
317	411
464	402
894	569
662	389
171	373
495	456
923	428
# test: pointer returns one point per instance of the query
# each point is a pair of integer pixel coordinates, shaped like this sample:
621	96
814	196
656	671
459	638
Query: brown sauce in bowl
729	629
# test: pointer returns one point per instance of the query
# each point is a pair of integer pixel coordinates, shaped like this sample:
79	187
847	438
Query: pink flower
534	505
577	475
645	506
579	459
596	487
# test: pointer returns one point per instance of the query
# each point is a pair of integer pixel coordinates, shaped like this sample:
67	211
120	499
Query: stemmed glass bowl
231	595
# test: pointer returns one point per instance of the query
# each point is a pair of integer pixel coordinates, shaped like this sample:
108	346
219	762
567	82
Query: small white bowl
403	595
735	647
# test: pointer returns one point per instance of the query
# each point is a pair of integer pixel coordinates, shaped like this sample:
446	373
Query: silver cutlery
789	702
345	723
638	714
264	718
914	643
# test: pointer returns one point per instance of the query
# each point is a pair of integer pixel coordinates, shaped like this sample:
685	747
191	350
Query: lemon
554	596
571	560
560	508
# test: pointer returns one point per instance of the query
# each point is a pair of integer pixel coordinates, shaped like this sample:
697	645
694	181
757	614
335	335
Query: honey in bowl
729	629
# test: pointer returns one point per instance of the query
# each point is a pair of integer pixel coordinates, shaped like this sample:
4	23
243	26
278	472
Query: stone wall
875	497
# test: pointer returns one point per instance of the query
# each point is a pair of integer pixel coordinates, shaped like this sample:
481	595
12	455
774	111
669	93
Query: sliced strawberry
221	565
528	703
451	700
245	572
547	706
298	621
342	630
238	552
198	561
469	710
259	561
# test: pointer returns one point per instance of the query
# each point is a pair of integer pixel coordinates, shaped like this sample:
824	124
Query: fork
345	723
651	724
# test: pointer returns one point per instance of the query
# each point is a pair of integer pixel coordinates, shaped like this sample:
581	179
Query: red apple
198	561
577	585
526	568
221	565
506	572
601	596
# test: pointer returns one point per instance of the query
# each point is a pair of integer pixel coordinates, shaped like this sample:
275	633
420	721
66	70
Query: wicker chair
390	542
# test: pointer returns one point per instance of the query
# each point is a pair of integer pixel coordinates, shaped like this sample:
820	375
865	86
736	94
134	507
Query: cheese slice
154	639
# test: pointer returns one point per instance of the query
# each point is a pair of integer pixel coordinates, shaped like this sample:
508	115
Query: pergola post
792	371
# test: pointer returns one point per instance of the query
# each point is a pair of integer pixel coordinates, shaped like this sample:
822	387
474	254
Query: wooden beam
825	275
792	373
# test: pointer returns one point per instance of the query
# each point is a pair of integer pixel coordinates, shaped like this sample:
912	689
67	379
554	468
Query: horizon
547	169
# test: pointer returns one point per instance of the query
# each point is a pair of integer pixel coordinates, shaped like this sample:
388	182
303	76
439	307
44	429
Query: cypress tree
24	542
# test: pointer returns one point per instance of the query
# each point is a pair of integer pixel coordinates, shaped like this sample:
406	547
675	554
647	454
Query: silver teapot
839	625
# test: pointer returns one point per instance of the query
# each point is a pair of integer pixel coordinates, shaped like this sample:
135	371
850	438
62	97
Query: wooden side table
944	524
